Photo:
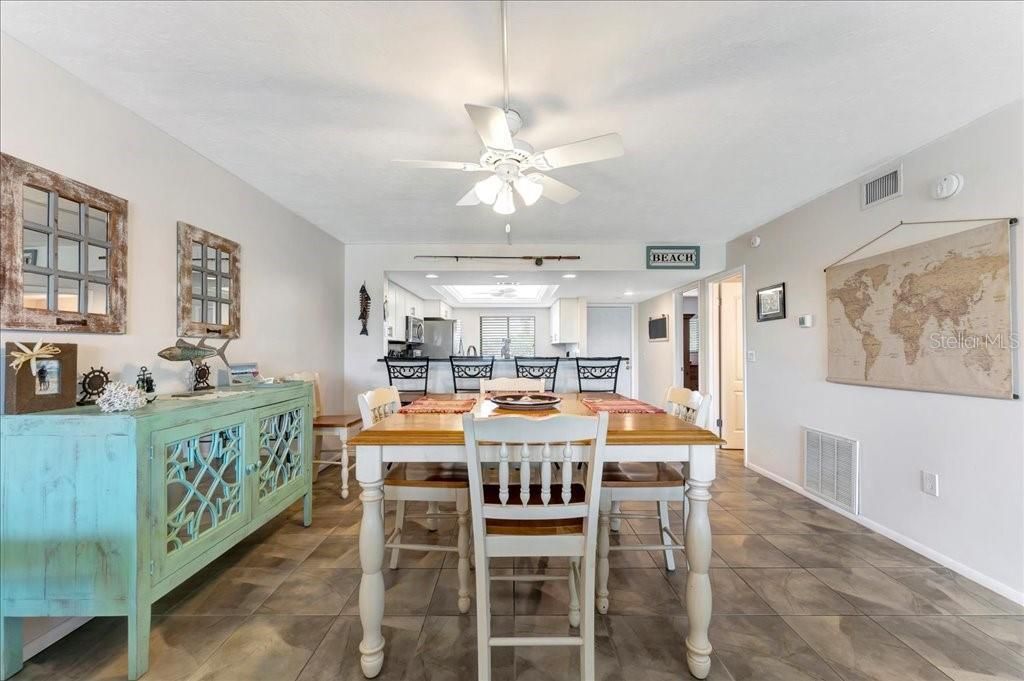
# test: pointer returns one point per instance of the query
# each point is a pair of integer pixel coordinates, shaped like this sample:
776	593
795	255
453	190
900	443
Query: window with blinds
521	331
694	333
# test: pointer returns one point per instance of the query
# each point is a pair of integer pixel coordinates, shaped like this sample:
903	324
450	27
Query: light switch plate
751	356
930	483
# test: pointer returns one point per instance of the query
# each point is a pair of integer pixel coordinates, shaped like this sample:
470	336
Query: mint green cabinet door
282	453
199	488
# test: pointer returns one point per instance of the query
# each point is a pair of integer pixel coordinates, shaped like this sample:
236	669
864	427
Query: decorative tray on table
525	401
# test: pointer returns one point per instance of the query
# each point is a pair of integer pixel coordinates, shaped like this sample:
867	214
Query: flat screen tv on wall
657	328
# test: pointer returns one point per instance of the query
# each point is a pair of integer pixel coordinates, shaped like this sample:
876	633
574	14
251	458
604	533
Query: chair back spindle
376	405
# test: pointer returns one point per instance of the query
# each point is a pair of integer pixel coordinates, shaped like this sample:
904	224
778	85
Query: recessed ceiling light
430	276
570	275
501	276
627	293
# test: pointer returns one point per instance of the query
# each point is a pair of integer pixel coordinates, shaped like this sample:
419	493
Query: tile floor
800	593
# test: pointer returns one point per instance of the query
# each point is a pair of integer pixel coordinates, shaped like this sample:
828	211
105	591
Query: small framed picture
771	302
53	386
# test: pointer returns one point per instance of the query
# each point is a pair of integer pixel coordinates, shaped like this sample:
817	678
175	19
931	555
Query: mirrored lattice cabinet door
208	284
64	252
282	440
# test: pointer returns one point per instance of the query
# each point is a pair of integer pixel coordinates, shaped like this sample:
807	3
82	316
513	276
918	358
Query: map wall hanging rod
538	260
1013	221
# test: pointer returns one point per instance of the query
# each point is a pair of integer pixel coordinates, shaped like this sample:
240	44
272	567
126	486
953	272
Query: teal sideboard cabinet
102	514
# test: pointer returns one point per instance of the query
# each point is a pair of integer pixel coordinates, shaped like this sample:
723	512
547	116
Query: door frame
677	335
634	342
710	370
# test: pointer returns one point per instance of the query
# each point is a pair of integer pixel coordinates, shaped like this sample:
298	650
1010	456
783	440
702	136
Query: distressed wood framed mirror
209	293
64	259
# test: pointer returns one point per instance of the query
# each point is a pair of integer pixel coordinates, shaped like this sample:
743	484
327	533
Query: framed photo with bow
39	377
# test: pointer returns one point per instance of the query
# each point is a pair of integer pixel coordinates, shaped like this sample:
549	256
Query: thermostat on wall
805	321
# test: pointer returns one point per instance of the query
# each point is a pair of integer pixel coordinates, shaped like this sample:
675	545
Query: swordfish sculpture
183	351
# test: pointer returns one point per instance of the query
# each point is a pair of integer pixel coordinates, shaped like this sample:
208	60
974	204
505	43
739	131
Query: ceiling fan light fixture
487	190
505	204
528	189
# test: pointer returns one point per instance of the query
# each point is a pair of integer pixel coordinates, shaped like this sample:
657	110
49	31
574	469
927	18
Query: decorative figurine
201	376
144	382
94	382
364	308
183	351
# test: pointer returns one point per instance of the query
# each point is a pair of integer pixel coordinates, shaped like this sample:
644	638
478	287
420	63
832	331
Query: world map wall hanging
935	316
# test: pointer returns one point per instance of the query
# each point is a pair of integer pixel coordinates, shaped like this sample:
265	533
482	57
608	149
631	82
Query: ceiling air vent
882	187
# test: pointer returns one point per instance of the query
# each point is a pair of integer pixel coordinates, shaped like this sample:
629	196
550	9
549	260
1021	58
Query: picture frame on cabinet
52	386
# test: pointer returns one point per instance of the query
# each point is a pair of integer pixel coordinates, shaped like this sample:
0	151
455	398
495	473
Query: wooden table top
446	429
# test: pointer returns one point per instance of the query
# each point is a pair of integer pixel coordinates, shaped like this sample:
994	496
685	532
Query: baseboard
940	558
51	636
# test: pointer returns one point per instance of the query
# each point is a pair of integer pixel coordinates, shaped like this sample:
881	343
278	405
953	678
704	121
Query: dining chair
545	368
432	483
536	520
593	374
409	375
467	372
511	385
337	425
659	483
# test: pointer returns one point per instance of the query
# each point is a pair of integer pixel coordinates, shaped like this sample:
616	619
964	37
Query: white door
731	326
610	334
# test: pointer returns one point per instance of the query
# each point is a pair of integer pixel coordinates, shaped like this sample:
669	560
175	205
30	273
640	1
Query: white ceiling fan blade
559	192
470	199
491	125
585	151
442	165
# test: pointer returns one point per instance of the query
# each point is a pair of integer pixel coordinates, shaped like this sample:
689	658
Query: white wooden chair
654	482
538	520
421	482
337	425
511	385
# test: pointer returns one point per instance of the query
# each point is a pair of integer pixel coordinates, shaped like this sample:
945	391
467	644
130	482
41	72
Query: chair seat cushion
336	421
427	475
577	495
642	475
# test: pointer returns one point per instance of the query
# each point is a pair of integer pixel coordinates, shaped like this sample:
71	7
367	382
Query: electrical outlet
930	483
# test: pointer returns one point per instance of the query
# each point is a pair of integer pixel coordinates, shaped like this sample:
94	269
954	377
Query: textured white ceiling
732	113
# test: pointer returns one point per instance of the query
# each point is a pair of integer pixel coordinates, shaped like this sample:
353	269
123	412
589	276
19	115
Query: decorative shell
121	397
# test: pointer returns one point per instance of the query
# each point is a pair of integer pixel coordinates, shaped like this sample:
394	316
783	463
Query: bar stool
421	482
410	376
652	482
467	372
594	374
538	367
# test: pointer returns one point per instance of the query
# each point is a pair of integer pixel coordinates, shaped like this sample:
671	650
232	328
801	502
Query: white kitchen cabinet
436	308
567	323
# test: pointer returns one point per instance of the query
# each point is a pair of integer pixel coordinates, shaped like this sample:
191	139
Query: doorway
727	358
611	332
688	333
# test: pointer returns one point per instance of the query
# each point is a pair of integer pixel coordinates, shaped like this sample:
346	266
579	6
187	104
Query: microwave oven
413	329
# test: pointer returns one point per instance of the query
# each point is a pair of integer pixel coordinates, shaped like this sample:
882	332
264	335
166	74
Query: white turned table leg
371	558
698	555
602	553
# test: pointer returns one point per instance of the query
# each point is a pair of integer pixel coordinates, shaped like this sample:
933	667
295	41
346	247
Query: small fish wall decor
364	308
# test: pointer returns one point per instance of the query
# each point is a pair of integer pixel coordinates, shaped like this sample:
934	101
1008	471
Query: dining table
438	438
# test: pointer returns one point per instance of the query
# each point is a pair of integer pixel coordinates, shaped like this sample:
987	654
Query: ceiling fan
513	164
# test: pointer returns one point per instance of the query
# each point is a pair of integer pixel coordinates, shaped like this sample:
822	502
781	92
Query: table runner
620	405
433	405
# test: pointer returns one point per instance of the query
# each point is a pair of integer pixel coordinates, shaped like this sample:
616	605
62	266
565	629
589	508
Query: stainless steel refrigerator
440	337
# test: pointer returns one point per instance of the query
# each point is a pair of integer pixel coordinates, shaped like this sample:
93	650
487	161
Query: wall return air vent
831	468
882	187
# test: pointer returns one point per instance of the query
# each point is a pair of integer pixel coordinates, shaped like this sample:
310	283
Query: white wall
368	263
659	369
291	271
975	445
470	318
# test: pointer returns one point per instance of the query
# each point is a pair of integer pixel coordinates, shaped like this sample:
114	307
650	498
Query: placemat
620	405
